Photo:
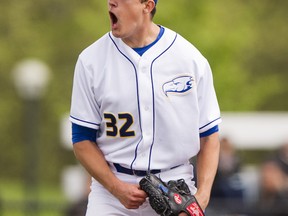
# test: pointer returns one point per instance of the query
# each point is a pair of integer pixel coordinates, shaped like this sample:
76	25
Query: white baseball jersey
150	109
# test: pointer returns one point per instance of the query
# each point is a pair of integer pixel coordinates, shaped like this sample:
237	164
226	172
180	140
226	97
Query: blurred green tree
244	41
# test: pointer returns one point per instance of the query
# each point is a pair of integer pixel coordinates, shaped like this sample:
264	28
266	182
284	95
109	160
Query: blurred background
246	45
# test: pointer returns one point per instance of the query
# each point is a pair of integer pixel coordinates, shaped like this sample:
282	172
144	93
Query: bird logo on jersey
180	84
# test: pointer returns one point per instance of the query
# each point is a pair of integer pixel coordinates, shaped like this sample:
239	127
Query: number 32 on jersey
123	130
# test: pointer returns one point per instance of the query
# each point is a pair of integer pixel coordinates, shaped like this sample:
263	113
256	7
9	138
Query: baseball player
143	102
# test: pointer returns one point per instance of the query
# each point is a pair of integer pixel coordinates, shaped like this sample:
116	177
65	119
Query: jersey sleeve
84	109
208	103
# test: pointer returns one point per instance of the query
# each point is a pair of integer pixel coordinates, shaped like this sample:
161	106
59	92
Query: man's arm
207	163
93	160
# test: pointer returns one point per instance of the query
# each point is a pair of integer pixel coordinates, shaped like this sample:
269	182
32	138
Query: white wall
255	130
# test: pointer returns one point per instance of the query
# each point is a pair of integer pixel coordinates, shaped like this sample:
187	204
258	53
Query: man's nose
112	3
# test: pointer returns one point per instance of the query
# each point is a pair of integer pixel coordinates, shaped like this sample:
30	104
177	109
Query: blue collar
142	50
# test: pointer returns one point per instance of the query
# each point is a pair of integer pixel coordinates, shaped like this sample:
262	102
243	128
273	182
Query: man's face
127	17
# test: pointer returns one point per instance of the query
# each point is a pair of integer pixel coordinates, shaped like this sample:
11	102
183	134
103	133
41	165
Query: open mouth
113	18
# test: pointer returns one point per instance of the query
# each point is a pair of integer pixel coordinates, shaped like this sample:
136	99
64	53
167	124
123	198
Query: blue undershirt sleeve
81	133
210	131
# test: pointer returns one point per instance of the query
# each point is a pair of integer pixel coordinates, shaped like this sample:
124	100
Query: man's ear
149	6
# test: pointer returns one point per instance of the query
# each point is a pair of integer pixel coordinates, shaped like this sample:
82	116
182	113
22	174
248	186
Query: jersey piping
84	121
153	98
135	71
151	70
209	123
148	78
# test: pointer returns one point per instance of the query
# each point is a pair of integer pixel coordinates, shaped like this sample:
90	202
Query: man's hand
130	195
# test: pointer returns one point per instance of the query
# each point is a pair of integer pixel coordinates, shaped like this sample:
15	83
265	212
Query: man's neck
144	37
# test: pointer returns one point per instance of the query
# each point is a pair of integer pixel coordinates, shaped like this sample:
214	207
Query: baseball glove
170	199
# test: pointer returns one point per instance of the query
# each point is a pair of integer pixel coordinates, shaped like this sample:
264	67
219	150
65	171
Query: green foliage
14	202
244	41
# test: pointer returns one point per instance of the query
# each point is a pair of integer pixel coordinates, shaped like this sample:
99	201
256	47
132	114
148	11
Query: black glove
170	199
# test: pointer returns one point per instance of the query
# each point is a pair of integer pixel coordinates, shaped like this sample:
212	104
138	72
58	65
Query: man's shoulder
181	39
186	46
97	46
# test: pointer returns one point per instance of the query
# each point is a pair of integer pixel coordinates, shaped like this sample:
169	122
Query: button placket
146	103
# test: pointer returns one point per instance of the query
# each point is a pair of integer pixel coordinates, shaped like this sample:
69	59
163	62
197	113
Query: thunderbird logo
178	85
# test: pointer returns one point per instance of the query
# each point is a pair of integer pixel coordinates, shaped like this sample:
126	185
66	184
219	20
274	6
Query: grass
16	201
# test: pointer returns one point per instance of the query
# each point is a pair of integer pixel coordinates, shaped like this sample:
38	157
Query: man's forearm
207	163
92	158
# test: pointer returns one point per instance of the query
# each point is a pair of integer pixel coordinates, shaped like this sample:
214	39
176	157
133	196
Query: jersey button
146	108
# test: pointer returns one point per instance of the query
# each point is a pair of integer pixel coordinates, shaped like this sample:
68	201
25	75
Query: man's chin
115	33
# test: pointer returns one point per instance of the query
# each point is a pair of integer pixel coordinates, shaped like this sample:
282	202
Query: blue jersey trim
151	71
84	121
137	146
81	133
209	123
210	131
138	102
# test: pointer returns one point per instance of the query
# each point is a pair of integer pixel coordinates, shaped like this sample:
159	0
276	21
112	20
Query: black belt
128	171
125	170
